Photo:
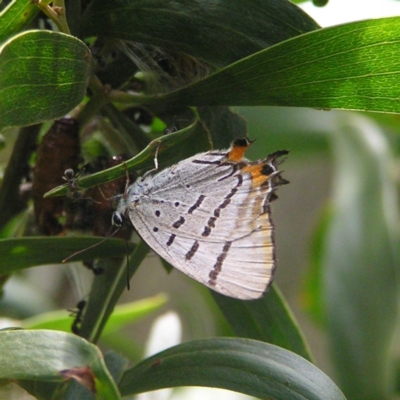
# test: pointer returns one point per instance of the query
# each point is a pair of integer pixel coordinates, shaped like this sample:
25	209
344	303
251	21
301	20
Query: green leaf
117	339
352	66
361	261
16	16
122	315
20	253
247	366
268	319
312	293
54	356
43	75
219	32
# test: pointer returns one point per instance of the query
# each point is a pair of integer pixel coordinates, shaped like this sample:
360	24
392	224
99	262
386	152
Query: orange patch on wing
257	176
237	153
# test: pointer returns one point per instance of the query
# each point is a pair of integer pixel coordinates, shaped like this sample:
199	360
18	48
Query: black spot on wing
267	169
233	191
211	222
206	231
225	202
213	275
197	204
178	223
192	251
171	240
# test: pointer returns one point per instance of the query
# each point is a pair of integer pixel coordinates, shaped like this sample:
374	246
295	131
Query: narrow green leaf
217	31
127	313
54	356
20	253
361	261
352	66
312	293
43	75
247	366
268	319
122	315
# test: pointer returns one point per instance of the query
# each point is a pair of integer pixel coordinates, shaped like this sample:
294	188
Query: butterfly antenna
102	194
128	285
90	247
127	183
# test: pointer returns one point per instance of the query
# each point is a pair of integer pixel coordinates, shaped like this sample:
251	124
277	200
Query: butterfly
209	216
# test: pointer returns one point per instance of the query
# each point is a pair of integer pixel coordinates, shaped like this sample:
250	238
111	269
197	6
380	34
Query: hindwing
209	217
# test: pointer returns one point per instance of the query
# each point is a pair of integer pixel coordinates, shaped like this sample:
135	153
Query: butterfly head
118	219
120	203
120	216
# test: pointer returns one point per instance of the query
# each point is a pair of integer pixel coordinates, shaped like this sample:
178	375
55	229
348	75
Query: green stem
97	101
56	13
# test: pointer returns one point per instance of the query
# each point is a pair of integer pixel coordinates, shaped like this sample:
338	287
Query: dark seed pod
58	151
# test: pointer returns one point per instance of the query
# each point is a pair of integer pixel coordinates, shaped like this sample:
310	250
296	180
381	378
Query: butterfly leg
156	157
127	183
155	169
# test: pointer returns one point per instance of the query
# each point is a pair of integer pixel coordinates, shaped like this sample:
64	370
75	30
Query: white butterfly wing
212	222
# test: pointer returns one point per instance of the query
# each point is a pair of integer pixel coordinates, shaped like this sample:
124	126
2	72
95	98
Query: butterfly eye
117	219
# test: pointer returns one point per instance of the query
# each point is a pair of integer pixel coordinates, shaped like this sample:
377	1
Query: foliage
129	72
